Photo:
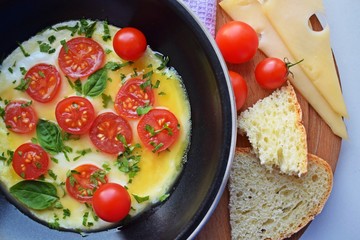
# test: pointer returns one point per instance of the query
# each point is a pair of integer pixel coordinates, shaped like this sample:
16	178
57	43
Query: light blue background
340	219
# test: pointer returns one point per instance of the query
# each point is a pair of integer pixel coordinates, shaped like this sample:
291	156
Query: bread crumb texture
274	128
272	205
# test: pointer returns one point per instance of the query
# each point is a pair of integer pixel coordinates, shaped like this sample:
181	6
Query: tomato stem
290	64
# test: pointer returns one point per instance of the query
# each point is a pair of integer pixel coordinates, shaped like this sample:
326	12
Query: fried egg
158	171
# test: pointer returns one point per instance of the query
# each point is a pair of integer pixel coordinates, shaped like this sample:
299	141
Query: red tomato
240	89
237	41
271	73
129	43
30	161
19	117
111	202
75	114
105	131
131	96
44	83
80	57
158	129
83	181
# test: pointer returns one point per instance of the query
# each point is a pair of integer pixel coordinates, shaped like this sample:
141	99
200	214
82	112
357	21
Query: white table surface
340	218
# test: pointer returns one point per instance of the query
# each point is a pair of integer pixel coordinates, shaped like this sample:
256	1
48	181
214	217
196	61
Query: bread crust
313	160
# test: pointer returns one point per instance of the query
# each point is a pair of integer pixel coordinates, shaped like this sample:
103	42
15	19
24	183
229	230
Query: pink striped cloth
205	10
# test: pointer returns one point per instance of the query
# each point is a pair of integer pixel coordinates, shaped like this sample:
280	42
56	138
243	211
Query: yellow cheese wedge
290	19
250	11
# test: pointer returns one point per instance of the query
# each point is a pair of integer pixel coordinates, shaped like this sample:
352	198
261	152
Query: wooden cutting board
321	140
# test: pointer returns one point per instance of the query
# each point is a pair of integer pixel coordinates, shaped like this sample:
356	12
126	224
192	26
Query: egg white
158	171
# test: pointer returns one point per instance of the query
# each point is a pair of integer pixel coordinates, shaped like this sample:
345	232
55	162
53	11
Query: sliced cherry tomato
44	82
158	129
240	88
82	182
129	43
131	96
106	131
237	41
30	161
80	57
75	114
20	117
271	73
111	202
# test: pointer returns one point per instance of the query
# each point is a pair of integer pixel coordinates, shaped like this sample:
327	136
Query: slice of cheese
250	11
291	21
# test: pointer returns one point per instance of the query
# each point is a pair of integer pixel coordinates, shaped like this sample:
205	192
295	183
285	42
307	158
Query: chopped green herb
106	35
23	50
27	104
106	167
66	213
156	146
97	176
140	199
70	175
157	84
38	165
107	51
145	84
51	39
68	136
162	93
148	75
10	70
72	29
52	174
164	197
86	28
55	160
154	132
127	161
142	110
58	205
113	66
8	158
2	112
106	100
77	85
135	72
24	84
164	61
122	77
44	47
23	70
55	224
82	153
65	46
85	218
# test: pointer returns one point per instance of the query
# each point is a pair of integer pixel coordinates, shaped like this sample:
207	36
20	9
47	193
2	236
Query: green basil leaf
96	83
49	136
37	195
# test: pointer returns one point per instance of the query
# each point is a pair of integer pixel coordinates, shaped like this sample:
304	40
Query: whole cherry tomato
240	88
237	41
129	43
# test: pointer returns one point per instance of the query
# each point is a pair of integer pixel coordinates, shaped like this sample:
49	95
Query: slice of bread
273	205
275	130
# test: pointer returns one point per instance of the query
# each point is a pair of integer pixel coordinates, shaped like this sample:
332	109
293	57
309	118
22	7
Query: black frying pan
173	31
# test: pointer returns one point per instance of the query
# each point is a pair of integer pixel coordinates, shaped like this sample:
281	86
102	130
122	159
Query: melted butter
158	171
